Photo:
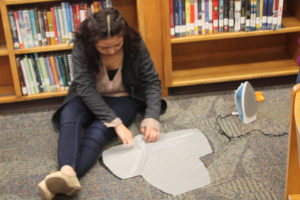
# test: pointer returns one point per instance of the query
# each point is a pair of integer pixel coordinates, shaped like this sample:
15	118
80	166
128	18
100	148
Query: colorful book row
50	26
44	73
193	17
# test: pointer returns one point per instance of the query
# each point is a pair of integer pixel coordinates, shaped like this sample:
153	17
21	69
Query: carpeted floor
250	167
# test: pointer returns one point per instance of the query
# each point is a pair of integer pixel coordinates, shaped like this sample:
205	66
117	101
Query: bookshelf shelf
236	72
59	47
13	98
3	51
232	56
291	25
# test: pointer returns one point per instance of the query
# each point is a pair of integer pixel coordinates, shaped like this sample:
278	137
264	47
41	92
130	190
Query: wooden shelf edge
219	74
3	51
291	25
15	2
40	49
14	98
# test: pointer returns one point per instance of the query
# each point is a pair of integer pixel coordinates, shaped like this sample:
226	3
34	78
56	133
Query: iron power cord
222	132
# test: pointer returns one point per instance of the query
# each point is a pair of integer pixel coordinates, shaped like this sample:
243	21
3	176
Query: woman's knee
73	110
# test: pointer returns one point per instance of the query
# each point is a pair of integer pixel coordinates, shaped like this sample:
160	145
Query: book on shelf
253	15
44	72
193	17
215	14
237	15
40	26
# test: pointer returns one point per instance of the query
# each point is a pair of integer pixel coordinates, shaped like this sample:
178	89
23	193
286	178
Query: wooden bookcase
134	11
232	56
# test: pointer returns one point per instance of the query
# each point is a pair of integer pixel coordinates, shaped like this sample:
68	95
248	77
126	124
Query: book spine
58	31
46	27
187	18
280	10
44	71
69	56
210	9
196	22
53	20
23	28
69	22
183	14
50	74
253	15
26	76
28	28
72	25
172	26
265	15
13	29
66	67
61	25
42	28
192	17
50	27
36	21
237	16
31	76
180	15
243	15
226	15
257	20
275	14
231	16
54	72
62	71
203	15
206	16
21	77
37	78
176	18
221	15
21	44
39	71
61	83
65	22
248	15
33	27
215	16
270	14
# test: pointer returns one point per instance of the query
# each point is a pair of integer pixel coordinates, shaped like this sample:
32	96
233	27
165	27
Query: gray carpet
249	167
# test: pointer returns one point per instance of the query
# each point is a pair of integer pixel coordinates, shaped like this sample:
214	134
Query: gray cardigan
139	77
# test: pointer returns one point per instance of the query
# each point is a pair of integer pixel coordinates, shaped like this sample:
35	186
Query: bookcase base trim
14	98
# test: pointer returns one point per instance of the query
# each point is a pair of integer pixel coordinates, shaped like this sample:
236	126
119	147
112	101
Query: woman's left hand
150	134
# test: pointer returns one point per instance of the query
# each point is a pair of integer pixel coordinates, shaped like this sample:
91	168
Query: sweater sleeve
151	85
151	122
86	86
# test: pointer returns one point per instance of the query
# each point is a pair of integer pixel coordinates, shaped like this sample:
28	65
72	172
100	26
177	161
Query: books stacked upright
193	17
45	73
38	26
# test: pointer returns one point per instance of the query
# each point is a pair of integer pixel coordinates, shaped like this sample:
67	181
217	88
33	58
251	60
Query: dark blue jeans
82	149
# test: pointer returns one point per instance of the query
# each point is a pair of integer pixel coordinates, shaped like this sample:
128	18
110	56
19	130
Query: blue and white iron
246	104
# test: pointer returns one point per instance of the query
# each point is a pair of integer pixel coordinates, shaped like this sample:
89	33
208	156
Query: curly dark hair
96	27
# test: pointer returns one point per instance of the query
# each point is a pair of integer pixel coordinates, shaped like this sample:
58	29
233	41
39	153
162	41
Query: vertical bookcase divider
10	48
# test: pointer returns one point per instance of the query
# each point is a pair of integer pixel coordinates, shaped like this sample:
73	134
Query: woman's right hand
124	134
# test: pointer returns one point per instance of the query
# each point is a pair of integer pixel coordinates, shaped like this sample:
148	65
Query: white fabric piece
172	164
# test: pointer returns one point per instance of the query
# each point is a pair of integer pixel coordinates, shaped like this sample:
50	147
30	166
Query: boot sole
58	185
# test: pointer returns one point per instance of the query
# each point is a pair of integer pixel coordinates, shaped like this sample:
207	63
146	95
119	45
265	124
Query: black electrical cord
222	132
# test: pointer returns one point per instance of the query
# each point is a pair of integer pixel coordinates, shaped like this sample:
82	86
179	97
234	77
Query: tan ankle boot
44	191
60	183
